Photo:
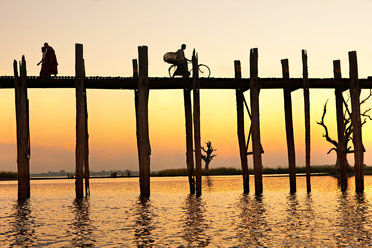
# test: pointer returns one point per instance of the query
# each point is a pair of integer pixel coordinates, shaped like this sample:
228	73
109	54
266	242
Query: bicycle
204	70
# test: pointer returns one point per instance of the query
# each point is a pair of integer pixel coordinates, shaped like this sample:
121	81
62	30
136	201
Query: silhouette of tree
208	156
348	130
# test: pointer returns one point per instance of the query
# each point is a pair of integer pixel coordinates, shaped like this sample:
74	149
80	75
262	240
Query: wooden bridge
141	84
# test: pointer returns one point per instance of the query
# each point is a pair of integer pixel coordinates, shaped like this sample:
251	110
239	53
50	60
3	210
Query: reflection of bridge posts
82	234
23	227
251	224
144	223
355	119
23	130
194	223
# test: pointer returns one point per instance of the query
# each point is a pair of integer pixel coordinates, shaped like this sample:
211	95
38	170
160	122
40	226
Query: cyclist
182	68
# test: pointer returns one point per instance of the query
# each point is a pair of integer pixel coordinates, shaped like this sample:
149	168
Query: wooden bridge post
196	88
143	141
135	76
256	136
23	130
307	118
240	127
289	128
82	144
356	122
189	141
341	149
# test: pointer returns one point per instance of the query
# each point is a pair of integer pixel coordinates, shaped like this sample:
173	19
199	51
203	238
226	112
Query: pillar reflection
23	225
252	226
144	223
81	232
353	215
193	222
293	224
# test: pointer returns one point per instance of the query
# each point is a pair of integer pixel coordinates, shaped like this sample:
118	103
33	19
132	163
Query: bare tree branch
326	135
370	94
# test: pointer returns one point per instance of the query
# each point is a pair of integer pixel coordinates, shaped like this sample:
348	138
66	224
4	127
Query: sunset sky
220	31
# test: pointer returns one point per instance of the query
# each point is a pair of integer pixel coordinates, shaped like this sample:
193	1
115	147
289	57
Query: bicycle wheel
171	70
204	71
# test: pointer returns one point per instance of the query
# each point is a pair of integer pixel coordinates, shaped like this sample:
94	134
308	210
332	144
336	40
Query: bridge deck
180	83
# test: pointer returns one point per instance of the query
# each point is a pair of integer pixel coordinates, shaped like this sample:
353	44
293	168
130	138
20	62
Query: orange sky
221	31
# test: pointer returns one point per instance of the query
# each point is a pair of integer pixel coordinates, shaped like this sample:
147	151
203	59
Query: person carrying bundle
178	58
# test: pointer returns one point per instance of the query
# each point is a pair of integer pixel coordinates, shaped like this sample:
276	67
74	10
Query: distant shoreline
223	171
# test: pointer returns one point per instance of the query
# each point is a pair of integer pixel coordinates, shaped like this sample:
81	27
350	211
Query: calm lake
114	215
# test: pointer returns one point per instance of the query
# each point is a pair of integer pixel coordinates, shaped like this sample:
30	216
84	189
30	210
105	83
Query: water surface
115	216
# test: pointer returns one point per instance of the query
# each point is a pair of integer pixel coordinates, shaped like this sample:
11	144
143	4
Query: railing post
23	130
240	127
356	122
289	128
256	135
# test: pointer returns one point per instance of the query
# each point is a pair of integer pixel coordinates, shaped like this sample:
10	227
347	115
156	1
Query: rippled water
114	215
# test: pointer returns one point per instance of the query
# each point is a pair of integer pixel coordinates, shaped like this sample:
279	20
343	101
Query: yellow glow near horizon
220	31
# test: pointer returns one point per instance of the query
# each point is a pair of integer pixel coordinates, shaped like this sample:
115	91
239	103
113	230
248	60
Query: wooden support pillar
82	144
135	76
240	127
289	128
86	145
341	148
189	142
305	76
143	141
256	135
355	119
23	130
135	68
196	88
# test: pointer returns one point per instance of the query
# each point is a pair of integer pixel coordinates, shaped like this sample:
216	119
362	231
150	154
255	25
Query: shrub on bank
8	175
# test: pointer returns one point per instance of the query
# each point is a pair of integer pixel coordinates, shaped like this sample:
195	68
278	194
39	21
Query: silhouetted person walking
43	49
49	66
182	68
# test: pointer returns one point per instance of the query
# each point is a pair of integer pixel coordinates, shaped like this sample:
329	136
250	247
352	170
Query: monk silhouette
49	62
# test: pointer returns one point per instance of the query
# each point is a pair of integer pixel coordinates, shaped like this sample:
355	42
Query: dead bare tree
208	156
348	131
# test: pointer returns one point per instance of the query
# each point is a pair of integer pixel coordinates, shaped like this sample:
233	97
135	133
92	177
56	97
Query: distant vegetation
7	175
326	169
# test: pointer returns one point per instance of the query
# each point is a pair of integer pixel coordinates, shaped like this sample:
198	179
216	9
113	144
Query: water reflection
338	177
209	182
252	226
194	224
23	225
293	222
144	223
353	218
81	233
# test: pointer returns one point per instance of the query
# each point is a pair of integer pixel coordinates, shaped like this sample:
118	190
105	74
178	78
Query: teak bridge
141	84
